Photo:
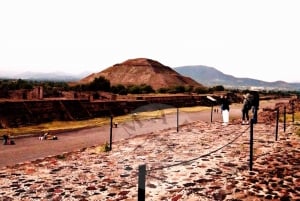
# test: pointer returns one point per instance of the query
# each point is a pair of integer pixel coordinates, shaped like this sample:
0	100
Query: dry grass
54	126
289	117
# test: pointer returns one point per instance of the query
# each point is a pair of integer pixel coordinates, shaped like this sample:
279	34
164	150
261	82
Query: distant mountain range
207	76
39	76
210	76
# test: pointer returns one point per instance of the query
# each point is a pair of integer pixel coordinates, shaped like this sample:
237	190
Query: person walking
245	108
225	109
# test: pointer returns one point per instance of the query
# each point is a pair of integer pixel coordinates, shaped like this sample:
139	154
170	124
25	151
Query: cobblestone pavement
203	161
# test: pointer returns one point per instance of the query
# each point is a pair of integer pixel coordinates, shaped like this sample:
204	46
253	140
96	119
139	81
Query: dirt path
30	148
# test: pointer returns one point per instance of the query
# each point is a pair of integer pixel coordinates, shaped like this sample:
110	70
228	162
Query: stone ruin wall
32	112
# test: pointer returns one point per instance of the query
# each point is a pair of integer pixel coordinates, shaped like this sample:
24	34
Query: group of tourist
250	102
7	140
46	136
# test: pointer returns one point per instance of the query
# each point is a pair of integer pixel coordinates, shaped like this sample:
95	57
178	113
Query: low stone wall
32	112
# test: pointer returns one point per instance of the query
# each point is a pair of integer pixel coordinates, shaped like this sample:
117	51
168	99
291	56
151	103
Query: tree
177	89
218	88
119	89
201	90
162	90
100	84
146	89
134	89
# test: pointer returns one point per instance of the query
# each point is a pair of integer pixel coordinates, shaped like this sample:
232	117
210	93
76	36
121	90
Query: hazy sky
258	39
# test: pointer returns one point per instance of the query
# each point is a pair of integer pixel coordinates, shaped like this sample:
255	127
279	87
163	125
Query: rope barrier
204	155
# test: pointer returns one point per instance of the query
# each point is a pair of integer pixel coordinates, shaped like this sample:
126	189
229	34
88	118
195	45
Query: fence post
251	145
293	112
212	100
277	120
211	113
142	183
110	138
177	119
284	119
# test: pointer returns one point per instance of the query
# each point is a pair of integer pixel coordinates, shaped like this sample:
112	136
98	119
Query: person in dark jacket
245	108
7	140
225	109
